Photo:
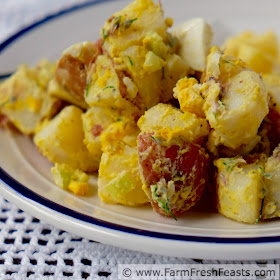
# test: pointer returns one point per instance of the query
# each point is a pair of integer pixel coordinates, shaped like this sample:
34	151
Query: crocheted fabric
32	249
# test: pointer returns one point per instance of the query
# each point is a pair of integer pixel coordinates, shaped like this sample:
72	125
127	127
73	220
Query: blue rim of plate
24	191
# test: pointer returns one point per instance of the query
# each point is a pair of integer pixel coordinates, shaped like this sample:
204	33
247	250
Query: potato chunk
240	189
174	176
61	141
129	26
119	179
272	181
230	93
168	123
137	35
245	99
70	79
24	98
173	166
271	125
146	73
259	51
109	86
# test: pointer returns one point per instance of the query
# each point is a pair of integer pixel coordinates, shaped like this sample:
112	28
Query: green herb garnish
166	208
130	60
104	35
261	212
118	119
128	22
163	203
229	163
157	140
87	89
265	175
226	61
108	87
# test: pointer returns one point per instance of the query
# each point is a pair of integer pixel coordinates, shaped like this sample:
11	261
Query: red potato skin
184	158
4	121
273	128
71	72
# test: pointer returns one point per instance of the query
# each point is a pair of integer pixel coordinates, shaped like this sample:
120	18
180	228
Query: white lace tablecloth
32	249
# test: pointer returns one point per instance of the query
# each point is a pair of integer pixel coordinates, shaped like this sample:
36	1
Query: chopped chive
226	61
164	204
157	140
215	115
118	119
87	89
108	87
128	22
105	36
229	163
130	60
261	212
266	175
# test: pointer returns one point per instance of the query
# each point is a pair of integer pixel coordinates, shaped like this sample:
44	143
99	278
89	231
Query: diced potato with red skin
272	120
70	80
272	126
3	121
174	177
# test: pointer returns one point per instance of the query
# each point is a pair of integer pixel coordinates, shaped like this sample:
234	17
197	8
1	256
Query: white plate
25	174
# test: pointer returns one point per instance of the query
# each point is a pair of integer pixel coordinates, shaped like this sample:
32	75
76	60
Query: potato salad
163	115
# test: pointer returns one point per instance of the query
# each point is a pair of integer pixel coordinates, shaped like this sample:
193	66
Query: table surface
32	249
